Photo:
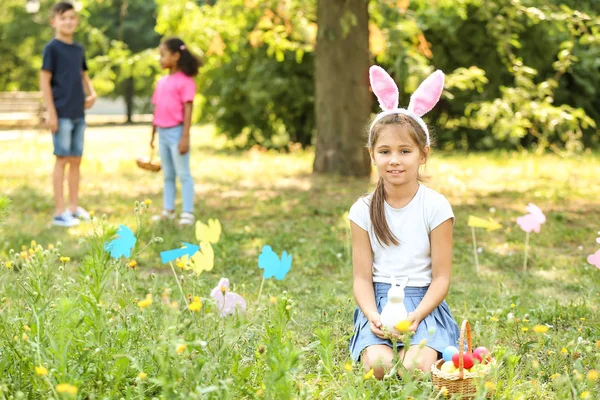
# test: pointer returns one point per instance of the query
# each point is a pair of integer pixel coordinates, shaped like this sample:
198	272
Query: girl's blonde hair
377	207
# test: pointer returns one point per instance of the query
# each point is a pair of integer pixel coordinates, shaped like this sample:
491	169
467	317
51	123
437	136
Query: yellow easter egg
448	367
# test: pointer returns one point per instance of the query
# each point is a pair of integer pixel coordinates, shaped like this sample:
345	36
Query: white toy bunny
394	311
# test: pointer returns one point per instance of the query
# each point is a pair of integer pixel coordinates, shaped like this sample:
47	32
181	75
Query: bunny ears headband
421	102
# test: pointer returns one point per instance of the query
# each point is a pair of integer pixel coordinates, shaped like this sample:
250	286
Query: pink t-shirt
170	94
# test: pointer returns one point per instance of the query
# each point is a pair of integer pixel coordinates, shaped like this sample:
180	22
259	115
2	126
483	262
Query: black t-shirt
66	62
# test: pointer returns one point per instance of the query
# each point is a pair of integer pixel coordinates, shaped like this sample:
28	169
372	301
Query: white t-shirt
411	225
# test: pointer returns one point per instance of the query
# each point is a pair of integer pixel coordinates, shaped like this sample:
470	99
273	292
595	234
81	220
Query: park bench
21	109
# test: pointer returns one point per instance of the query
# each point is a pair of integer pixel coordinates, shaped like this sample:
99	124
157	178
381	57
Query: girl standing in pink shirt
173	99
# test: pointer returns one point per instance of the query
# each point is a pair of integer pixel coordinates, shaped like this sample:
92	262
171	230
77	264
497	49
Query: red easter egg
467	360
482	354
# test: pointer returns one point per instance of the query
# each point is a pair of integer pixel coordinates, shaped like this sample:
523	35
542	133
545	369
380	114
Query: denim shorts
438	329
68	139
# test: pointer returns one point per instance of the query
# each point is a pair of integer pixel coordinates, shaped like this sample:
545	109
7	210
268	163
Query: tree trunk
342	99
129	94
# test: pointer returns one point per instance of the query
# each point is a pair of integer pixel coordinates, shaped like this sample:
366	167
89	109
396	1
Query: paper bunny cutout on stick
394	310
421	102
594	259
228	303
532	221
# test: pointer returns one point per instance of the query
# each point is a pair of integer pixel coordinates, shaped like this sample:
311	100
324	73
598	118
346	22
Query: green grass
84	326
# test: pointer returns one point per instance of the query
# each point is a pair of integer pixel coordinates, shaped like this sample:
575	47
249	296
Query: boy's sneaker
164	216
186	219
81	214
65	219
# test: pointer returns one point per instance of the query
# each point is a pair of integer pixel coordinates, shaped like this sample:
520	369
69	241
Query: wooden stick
260	290
475	250
179	285
526	251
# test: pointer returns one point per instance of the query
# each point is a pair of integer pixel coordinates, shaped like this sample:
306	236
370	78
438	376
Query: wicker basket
464	383
149	163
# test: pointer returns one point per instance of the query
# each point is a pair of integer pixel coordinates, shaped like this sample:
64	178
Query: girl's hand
375	324
184	145
415	318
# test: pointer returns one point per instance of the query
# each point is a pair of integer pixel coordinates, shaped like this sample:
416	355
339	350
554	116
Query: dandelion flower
25	337
27	328
524	329
273	299
348	367
582	319
8	265
65	259
592	375
50	246
41	371
195	305
142	375
494	319
585	395
403	326
66	388
489	385
180	264
444	391
554	376
181	348
147	202
564	351
23	254
540	329
512	305
146	302
288	307
92	213
369	374
132	264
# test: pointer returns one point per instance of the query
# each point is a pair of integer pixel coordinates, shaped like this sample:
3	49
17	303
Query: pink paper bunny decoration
228	302
594	259
532	221
421	102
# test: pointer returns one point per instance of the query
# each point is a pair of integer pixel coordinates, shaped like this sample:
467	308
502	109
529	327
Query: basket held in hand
149	163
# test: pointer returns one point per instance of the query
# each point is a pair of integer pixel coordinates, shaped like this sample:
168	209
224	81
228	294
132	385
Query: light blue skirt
439	329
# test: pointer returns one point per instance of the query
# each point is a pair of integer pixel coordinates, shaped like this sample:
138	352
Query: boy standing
63	79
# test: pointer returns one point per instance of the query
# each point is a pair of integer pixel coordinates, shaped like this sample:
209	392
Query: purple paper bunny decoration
228	302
